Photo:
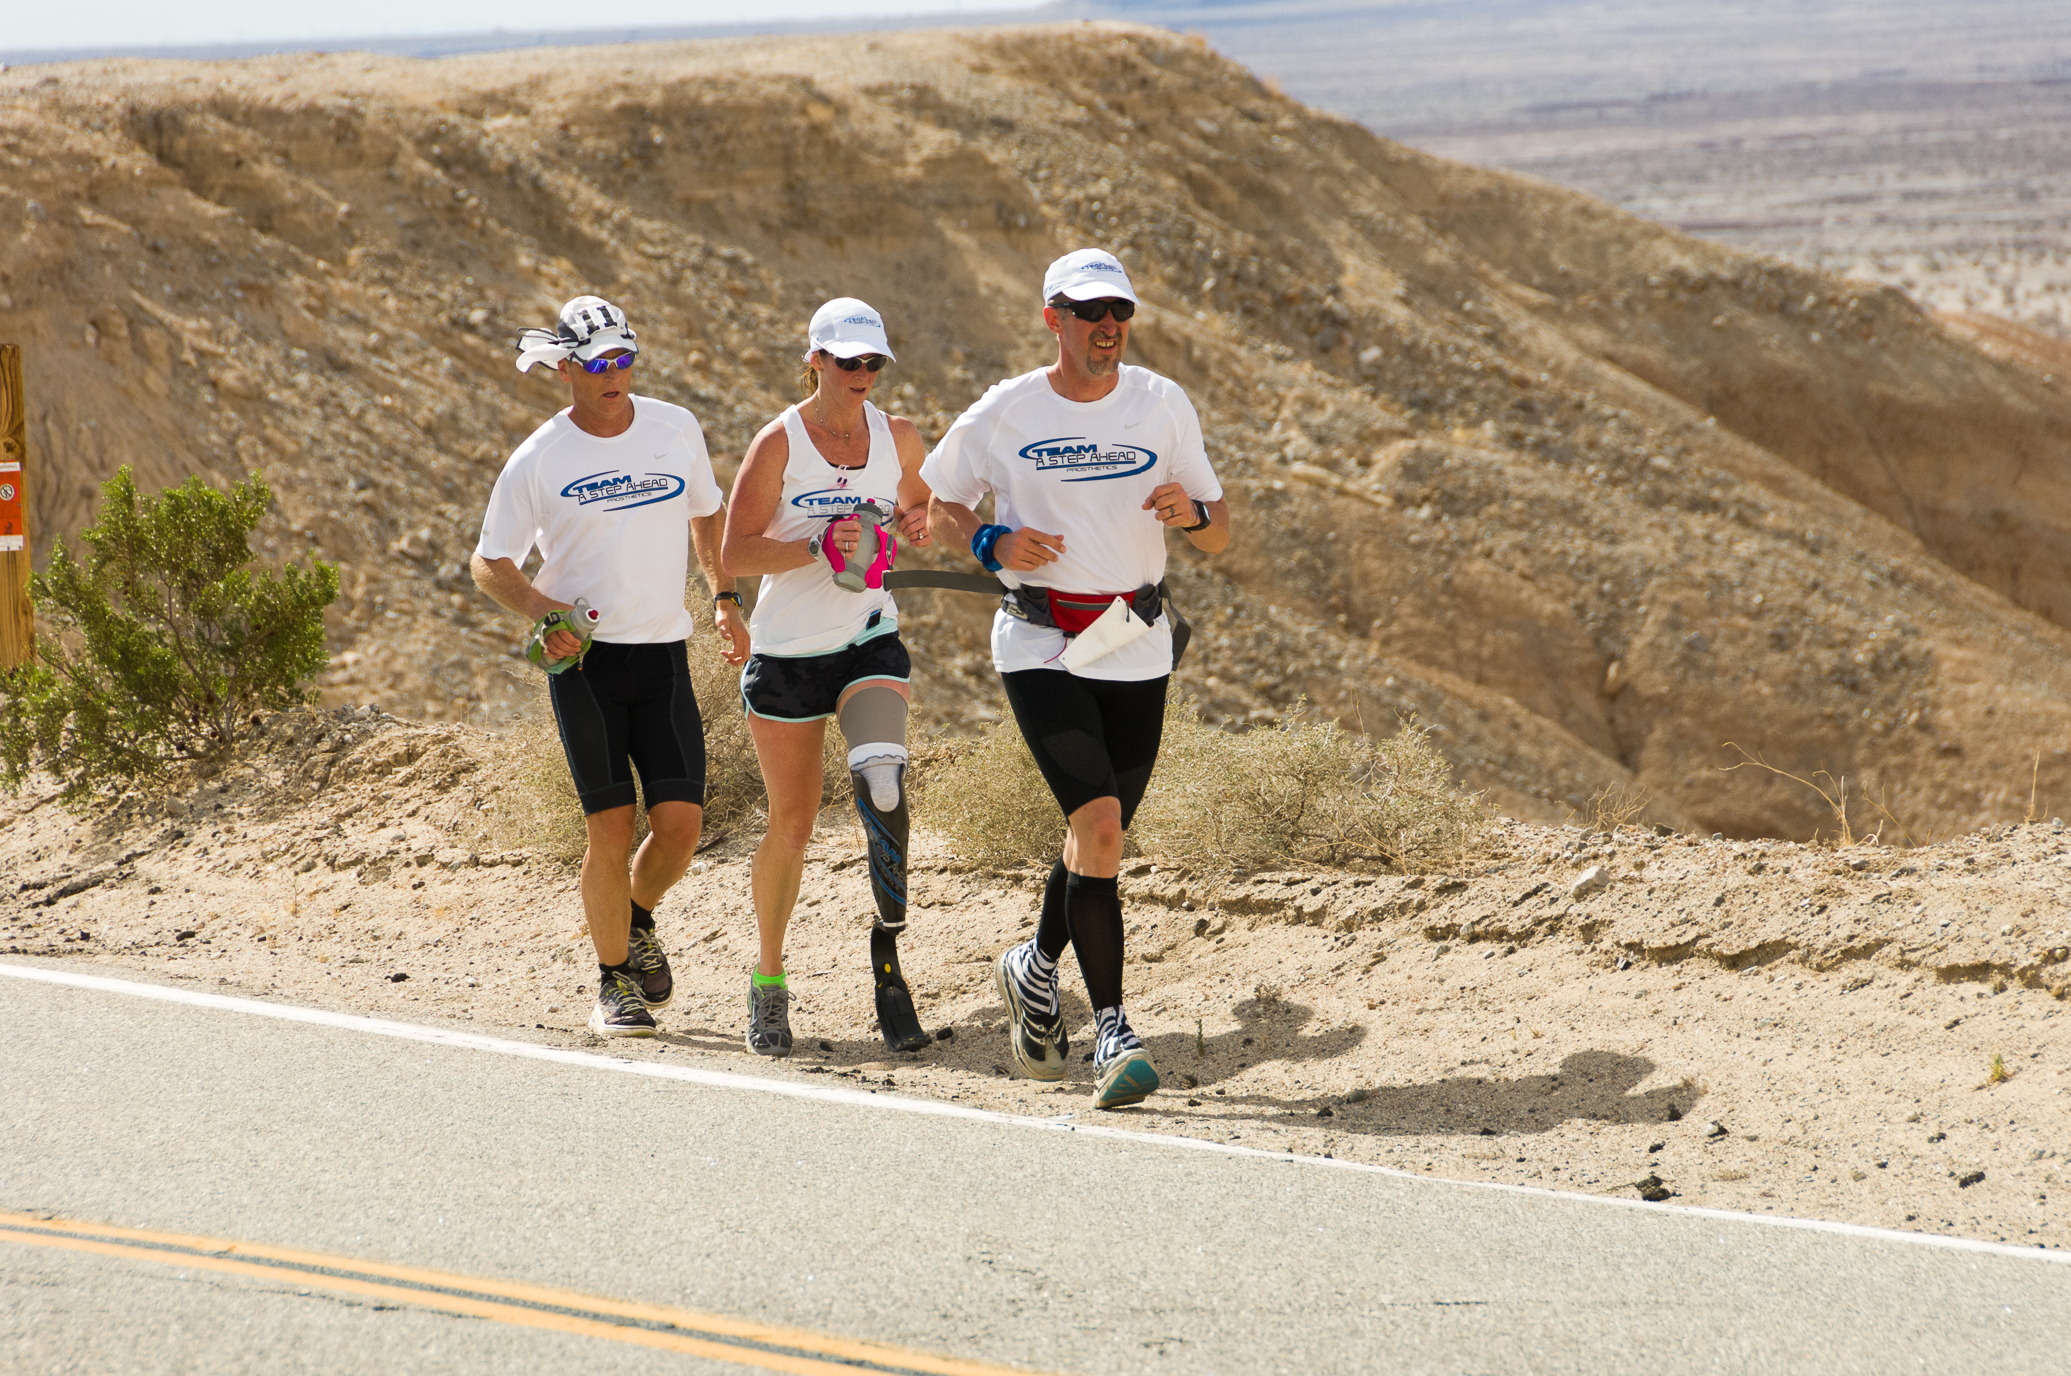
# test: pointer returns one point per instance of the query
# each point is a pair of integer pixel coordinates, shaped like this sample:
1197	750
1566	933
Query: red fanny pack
1075	611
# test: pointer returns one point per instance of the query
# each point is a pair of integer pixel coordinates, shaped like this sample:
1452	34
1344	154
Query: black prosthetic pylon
897	1020
885	834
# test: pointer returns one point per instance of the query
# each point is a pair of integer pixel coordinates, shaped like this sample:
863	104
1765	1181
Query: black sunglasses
874	362
1093	312
605	365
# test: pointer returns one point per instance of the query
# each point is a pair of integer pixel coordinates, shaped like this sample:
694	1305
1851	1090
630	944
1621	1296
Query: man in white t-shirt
612	492
1089	462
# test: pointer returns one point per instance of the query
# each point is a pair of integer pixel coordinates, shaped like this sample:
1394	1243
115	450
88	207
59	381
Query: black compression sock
605	972
1053	929
1095	906
643	918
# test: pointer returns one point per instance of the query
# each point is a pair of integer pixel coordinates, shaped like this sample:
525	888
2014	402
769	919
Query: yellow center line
804	1353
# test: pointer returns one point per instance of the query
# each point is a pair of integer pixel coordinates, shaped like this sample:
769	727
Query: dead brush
1611	807
1835	796
1306	791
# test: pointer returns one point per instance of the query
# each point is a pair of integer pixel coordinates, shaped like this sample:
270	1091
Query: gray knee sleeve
873	722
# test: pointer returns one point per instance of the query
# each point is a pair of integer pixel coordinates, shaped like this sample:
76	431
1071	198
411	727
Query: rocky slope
1590	497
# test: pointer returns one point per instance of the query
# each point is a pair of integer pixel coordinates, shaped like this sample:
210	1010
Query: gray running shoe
769	1019
1040	1045
620	1011
644	953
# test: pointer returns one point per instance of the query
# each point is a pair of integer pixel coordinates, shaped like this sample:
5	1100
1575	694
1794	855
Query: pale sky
117	24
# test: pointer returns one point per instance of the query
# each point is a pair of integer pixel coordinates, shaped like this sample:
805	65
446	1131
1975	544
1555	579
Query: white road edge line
724	1079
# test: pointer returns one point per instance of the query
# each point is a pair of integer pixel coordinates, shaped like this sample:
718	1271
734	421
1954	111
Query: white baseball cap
1087	274
848	328
588	326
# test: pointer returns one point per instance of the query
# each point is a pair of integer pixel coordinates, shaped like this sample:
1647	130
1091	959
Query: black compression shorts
1091	737
807	687
627	707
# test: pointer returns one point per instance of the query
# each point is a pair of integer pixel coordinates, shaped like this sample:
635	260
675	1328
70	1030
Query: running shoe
1040	1044
1129	1078
620	1010
644	953
769	1019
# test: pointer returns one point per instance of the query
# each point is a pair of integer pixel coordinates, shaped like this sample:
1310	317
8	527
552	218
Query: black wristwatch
1201	510
729	596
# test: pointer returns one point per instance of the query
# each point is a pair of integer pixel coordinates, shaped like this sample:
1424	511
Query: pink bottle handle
887	550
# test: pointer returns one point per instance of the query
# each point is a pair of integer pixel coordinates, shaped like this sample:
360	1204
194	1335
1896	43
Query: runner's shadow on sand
1596	1086
1265	1031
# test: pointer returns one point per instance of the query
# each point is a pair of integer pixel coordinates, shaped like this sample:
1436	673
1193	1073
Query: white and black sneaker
1041	1047
620	1010
769	1019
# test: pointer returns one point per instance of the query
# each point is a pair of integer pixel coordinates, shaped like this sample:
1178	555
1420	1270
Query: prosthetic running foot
896	1019
880	780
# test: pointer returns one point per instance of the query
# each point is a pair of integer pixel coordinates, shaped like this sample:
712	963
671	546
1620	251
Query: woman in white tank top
826	638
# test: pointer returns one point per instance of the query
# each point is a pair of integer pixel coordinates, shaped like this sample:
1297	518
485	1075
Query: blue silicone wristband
982	543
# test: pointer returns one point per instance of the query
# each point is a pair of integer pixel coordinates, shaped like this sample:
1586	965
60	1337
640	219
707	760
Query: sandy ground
1762	1026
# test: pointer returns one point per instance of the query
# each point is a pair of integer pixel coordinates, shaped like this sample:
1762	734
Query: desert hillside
1589	496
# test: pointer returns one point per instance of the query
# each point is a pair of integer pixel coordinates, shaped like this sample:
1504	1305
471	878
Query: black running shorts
628	707
1091	737
807	687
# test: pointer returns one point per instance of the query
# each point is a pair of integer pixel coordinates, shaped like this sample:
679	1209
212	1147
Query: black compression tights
1094	907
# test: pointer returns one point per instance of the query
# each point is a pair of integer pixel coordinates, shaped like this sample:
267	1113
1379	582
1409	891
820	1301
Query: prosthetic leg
877	771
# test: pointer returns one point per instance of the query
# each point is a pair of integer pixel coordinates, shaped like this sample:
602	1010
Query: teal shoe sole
1128	1080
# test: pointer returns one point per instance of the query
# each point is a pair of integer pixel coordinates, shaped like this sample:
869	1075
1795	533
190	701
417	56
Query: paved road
985	1240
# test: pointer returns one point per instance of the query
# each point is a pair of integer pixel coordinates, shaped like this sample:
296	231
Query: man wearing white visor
1090	462
612	492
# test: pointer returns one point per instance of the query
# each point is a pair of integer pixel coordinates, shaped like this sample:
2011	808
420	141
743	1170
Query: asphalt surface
981	1239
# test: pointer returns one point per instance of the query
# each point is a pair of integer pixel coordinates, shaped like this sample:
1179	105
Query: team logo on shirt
827	501
1088	460
623	491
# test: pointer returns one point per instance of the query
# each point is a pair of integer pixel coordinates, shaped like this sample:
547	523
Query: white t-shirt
611	517
1080	469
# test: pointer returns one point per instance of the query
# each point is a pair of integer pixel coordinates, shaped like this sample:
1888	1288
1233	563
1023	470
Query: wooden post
17	619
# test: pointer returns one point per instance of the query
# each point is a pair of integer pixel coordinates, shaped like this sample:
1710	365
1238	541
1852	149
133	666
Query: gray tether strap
955	582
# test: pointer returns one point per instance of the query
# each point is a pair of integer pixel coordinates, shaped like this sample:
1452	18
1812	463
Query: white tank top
804	611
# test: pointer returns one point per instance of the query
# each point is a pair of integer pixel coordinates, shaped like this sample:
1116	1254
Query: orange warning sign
12	532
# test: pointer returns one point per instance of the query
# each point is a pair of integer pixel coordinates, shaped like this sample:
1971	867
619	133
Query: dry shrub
1613	806
986	794
1304	792
537	809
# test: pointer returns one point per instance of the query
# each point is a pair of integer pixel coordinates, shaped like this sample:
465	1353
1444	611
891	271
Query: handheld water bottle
873	556
579	621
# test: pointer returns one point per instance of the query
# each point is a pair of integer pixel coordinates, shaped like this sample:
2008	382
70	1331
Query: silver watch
812	546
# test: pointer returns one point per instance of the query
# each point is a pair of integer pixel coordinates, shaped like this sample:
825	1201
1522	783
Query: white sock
879	762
